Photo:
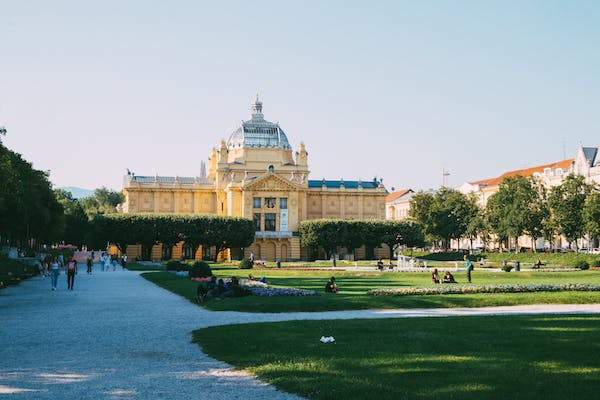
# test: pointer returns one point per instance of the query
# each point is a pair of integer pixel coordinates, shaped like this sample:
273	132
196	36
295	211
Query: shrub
200	269
596	263
245	264
507	268
582	264
176	265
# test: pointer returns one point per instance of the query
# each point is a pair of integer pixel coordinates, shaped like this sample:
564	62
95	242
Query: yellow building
256	175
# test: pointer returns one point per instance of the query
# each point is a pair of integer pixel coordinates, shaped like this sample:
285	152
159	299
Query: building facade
255	174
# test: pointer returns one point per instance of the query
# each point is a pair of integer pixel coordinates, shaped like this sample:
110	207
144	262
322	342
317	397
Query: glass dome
258	133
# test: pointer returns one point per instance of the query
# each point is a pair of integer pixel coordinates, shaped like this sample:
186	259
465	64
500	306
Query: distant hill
78	193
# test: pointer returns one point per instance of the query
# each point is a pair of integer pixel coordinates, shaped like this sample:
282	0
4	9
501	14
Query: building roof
397	194
347	184
183	180
258	133
564	164
591	155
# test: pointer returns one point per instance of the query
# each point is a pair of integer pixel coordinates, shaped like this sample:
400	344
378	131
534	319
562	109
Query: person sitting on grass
331	287
448	277
435	278
206	290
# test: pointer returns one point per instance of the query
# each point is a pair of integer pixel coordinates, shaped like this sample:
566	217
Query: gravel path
118	336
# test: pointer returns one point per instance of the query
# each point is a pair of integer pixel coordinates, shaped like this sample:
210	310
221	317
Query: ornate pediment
271	181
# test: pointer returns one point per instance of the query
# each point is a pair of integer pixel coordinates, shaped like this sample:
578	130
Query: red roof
398	193
564	164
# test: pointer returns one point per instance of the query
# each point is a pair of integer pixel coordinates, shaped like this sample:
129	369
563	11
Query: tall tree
444	215
517	208
591	216
566	204
401	233
103	201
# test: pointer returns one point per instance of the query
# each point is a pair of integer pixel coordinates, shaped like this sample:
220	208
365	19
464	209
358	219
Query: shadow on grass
519	357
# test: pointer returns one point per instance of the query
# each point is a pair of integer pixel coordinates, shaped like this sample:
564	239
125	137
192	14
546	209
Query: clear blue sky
397	89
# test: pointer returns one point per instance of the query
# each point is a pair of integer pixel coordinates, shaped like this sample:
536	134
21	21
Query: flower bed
504	288
252	283
270	292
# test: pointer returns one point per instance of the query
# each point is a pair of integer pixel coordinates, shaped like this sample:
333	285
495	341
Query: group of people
52	266
448	277
218	288
108	260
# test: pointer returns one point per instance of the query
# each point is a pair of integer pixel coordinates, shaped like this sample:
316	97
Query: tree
103	201
76	221
591	216
517	208
566	204
325	233
444	215
401	233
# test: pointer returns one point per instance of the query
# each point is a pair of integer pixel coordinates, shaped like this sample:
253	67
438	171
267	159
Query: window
270	202
548	171
256	220
269	222
271	168
559	172
257	202
283	203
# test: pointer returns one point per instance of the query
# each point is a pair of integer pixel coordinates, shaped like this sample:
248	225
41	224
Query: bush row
13	271
468	289
199	269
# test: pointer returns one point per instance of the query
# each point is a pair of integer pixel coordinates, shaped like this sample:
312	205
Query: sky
401	90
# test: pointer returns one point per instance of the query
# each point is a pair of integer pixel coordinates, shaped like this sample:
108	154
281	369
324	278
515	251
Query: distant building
549	175
397	204
254	174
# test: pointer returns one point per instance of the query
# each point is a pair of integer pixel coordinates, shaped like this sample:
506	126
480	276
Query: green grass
13	271
551	259
508	357
354	286
132	266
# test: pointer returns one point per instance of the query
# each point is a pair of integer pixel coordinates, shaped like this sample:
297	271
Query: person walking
124	260
89	263
54	265
107	262
71	272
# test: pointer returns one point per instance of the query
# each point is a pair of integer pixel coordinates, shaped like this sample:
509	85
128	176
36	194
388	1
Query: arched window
271	168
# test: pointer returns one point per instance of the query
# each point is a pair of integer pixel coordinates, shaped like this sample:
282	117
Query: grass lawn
507	357
133	266
354	285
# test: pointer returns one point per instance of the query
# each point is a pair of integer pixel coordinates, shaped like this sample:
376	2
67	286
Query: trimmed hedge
176	265
502	288
200	269
246	264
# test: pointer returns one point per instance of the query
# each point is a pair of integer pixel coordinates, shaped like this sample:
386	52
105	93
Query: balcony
272	234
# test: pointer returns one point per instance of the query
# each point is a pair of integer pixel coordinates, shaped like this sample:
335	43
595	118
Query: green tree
517	208
566	203
444	215
103	201
76	221
325	233
401	233
591	216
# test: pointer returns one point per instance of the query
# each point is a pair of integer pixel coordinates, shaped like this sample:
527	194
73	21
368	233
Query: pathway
118	336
